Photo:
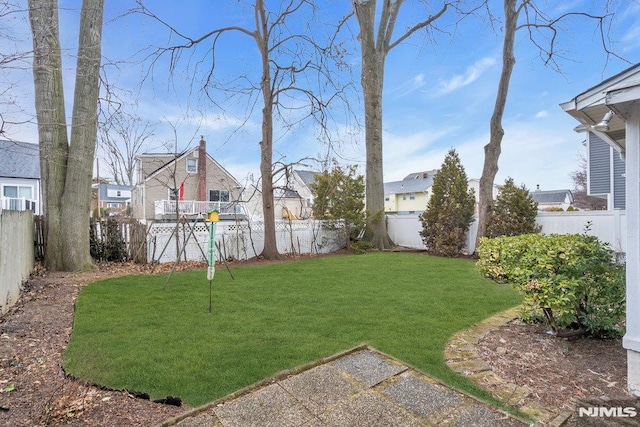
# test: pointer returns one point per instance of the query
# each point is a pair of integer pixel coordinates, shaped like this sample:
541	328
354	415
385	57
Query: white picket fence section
608	226
237	240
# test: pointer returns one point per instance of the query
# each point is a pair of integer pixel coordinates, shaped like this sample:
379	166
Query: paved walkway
360	388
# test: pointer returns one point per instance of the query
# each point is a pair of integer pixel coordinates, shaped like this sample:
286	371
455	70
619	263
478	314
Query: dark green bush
571	279
449	210
514	212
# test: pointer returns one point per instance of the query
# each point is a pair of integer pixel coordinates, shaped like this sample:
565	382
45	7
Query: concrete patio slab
320	388
369	368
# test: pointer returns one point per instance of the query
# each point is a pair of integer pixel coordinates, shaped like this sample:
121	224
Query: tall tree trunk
372	83
52	128
493	148
373	53
270	249
66	168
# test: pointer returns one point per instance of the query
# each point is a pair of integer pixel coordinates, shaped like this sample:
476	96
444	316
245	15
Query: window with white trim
218	195
192	165
17	191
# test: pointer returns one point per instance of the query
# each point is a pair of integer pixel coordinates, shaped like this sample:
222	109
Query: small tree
449	210
514	212
338	196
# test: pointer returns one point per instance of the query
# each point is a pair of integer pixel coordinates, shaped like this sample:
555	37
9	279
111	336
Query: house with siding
611	111
410	195
296	200
20	176
552	199
185	184
605	172
112	197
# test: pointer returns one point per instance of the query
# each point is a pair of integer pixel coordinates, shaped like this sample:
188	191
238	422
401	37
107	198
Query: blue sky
437	96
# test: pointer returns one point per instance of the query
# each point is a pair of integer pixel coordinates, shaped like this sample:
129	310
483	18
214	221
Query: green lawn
130	333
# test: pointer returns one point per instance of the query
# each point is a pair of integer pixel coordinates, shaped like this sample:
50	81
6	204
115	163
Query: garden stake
212	218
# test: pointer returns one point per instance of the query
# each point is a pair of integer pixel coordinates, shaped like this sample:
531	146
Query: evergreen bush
449	210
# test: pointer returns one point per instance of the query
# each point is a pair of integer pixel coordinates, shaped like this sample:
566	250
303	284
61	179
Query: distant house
296	201
187	183
20	176
112	197
552	199
409	196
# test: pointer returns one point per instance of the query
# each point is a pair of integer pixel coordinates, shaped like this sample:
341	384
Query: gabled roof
413	183
552	196
590	107
307	177
19	160
170	159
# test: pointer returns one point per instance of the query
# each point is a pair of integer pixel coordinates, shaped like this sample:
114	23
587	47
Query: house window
118	193
412	196
17	192
218	196
173	193
192	165
386	198
404	196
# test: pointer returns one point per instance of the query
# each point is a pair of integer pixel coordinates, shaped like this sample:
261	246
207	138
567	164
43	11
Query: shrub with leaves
570	280
338	196
450	209
514	212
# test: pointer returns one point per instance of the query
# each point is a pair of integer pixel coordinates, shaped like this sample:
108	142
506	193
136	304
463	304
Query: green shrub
572	279
449	210
514	212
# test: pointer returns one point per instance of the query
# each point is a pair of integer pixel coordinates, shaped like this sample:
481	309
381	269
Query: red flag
181	192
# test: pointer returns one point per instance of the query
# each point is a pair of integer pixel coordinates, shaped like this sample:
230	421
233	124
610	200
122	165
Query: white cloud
542	114
471	74
410	86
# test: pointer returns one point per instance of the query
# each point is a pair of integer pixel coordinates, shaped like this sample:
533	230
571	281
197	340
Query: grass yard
130	333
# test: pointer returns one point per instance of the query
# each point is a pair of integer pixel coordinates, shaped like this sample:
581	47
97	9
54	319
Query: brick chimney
202	170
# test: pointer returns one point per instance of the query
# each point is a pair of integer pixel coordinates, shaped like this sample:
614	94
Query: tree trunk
493	148
52	129
270	249
372	80
66	168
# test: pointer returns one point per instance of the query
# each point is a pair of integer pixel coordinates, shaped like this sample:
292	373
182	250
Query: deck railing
18	204
193	207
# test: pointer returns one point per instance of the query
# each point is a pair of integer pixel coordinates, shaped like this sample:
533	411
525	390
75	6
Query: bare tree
66	164
122	136
293	77
14	61
543	31
375	44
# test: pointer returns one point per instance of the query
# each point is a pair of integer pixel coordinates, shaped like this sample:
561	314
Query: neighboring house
552	199
192	182
296	201
112	197
409	196
290	205
20	177
611	111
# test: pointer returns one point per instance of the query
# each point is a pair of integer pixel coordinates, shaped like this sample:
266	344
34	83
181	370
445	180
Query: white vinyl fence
236	240
608	226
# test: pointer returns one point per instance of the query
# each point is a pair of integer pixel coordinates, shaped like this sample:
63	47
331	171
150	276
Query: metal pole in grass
212	218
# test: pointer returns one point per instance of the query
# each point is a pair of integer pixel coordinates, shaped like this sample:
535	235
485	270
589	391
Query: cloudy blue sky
438	93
